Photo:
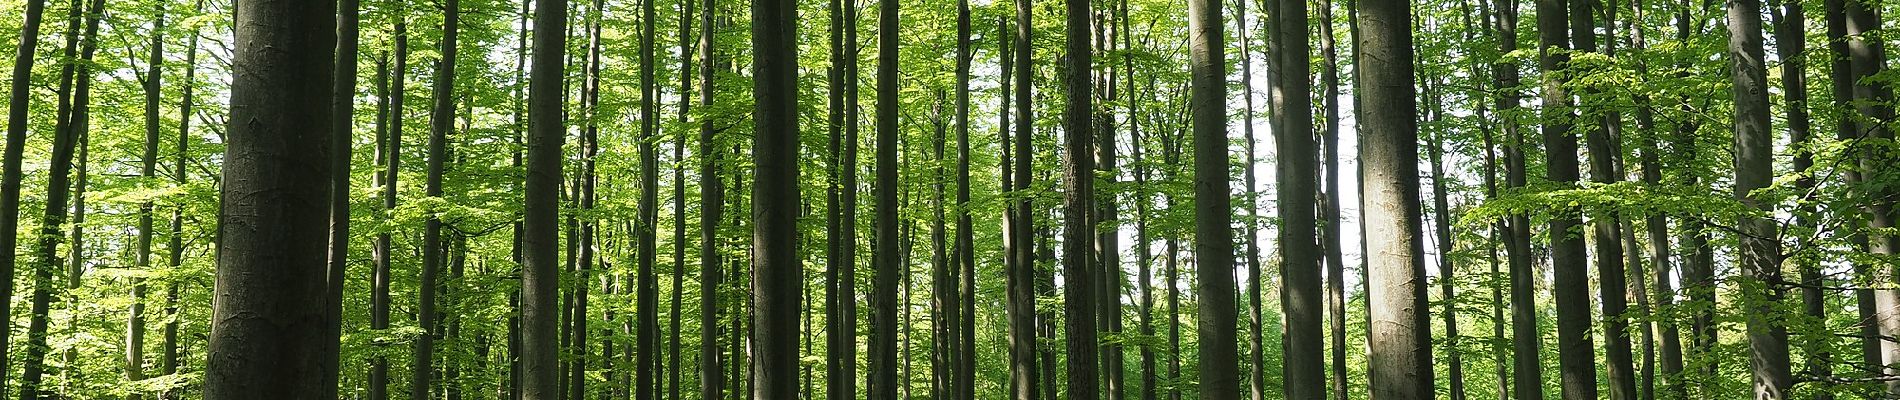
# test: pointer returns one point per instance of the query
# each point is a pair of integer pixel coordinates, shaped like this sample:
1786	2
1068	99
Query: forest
1021	199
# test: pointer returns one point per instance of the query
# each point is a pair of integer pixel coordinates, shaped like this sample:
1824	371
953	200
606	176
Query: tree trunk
1300	254
1607	228
74	121
1869	59
686	47
1576	354
441	121
1020	279
1078	201
148	169
341	143
1401	361
271	259
646	229
776	270
1760	250
712	193
887	262
1330	235
1447	267
18	101
169	359
540	276
1526	339
384	252
962	314
1790	23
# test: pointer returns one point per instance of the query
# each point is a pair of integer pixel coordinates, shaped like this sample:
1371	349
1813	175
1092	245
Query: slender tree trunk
148	169
1791	47
962	310
441	121
74	121
169	359
1401	361
1526	339
646	229
686	48
341	143
1447	267
712	199
1843	77
1760	250
886	262
1107	246
1607	229
540	278
271	258
1657	229
1330	234
1020	279
384	252
18	102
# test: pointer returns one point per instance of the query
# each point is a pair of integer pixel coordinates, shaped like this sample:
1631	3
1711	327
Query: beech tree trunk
1401	360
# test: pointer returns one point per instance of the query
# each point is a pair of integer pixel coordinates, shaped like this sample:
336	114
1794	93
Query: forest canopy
940	199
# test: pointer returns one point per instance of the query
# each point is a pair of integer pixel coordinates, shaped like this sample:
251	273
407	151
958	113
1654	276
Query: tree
775	266
1401	334
441	121
1213	214
18	99
1021	267
1760	253
272	253
886	264
1297	181
391	153
539	279
1576	354
1078	202
72	124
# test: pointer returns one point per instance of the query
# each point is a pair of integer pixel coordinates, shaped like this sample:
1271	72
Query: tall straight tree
646	229
1078	203
273	224
540	276
72	123
1526	358
963	375
887	262
392	157
1021	276
1213	209
148	169
1869	59
341	141
1297	178
19	98
1790	20
169	360
1760	250
441	121
776	271
1607	246
1570	282
1335	258
1401	352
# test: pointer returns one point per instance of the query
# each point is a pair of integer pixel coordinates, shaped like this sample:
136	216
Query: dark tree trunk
1401	361
1300	254
1842	75
776	272
1078	203
441	121
1332	243
272	256
1526	340
962	310
341	141
1606	228
686	47
1213	209
384	252
148	169
169	359
1791	47
646	229
72	124
1576	354
886	260
18	101
540	276
1447	267
1020	278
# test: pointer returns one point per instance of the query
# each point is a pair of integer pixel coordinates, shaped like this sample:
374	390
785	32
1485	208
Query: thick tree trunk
1842	75
271	259
1401	361
776	270
1213	209
1078	201
540	276
1300	253
1576	354
1760	250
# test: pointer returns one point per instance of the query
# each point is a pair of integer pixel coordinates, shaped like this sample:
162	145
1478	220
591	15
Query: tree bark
341	143
1300	253
1078	200
441	121
1401	361
1576	354
1869	58
168	361
72	124
540	276
18	101
776	272
271	261
1760	247
1020	280
887	262
148	169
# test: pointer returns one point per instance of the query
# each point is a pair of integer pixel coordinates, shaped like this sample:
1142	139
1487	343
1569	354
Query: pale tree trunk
1401	361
